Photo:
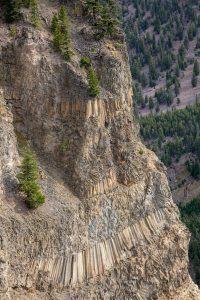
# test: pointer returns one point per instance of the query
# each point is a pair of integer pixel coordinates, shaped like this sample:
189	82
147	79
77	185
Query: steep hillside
109	228
163	42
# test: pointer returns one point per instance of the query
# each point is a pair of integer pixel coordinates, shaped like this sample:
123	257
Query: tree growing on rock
28	180
61	32
34	13
93	83
12	10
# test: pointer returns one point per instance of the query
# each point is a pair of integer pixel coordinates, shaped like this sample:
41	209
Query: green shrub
141	152
63	147
28	179
85	62
93	83
12	31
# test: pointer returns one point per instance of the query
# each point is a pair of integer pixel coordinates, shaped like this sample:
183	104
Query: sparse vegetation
63	147
173	133
159	36
61	33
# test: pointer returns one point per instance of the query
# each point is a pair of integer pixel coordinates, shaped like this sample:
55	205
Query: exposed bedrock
109	228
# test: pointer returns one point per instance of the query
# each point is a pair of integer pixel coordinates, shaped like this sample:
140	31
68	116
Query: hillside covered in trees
174	137
164	48
190	216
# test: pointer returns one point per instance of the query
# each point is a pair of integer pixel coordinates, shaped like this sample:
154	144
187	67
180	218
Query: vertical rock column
8	150
3	268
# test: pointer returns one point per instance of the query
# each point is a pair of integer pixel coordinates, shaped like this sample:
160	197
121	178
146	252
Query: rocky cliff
109	228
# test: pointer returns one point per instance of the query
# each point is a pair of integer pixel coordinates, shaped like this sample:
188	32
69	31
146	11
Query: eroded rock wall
109	228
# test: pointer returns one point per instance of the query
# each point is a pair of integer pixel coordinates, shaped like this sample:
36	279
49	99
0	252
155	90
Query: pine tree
91	8
12	10
54	23
151	103
28	180
177	71
57	37
194	80
198	43
34	13
61	32
177	87
136	69
196	68
152	70
65	29
93	83
144	80
106	24
186	42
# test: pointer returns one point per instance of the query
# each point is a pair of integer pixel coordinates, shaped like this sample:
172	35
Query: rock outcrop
109	228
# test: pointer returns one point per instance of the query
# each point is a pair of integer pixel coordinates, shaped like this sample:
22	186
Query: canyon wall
109	228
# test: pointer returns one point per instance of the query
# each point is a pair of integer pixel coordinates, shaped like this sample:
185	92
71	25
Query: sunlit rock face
109	228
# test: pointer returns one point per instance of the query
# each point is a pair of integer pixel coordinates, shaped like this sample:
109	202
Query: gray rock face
109	228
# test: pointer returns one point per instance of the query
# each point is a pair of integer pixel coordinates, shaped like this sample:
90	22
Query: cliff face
109	228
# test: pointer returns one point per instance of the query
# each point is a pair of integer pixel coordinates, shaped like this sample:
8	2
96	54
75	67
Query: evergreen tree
34	13
177	88
186	42
61	32
106	24
196	68
66	41
152	70
151	103
136	69
144	80
93	83
28	179
177	71
12	10
91	8
54	23
198	43
57	35
194	80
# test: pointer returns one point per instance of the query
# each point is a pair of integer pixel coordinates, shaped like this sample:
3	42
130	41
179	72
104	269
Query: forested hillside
163	38
190	216
173	134
164	49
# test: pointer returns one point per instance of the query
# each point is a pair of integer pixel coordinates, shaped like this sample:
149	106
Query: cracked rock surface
109	228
